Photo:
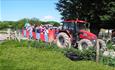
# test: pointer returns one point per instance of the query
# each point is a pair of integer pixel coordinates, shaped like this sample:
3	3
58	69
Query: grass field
13	57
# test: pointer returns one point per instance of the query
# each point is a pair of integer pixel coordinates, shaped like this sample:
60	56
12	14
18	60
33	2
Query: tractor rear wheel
84	44
63	40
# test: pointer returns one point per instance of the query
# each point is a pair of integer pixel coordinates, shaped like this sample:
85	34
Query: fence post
15	35
19	36
9	34
29	42
97	51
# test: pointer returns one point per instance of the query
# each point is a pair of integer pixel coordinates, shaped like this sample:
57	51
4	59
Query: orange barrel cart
42	36
34	35
51	35
27	33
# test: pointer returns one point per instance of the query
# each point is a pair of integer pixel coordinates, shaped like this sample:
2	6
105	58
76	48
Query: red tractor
74	34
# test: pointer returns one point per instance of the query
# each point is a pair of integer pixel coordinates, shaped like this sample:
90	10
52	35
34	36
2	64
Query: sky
13	10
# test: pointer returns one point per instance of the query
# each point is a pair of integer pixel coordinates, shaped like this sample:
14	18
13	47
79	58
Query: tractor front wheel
84	44
63	40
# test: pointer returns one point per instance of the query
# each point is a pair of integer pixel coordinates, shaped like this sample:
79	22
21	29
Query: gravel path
3	37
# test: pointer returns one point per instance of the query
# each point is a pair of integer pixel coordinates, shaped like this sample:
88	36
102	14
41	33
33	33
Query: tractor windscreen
68	25
81	26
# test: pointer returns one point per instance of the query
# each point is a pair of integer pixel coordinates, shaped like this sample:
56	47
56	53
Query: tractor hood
87	35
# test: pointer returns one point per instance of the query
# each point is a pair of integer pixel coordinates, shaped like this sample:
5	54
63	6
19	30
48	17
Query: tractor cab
74	25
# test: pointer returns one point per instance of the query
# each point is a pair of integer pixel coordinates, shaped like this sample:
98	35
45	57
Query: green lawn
24	58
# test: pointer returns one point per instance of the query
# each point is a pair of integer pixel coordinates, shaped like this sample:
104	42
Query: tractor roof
78	21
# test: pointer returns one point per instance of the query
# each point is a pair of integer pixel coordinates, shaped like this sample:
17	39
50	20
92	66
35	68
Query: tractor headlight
94	42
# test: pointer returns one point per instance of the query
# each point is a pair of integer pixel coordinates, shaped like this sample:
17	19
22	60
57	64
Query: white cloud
47	18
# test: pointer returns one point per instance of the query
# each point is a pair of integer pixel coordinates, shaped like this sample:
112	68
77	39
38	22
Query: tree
7	24
21	23
95	11
34	21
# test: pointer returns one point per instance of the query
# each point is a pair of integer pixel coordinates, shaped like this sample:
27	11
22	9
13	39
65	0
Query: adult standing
30	29
46	34
37	32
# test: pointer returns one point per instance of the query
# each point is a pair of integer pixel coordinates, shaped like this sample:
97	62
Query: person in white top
46	34
30	29
26	26
37	30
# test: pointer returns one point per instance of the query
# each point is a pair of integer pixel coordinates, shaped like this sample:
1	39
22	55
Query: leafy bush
86	54
90	54
110	46
107	61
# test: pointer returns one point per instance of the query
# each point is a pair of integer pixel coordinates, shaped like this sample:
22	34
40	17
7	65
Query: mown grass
15	57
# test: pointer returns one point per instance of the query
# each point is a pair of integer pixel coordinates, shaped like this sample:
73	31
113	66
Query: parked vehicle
74	34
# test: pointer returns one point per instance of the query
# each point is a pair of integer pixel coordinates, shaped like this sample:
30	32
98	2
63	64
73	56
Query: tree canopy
95	11
92	10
